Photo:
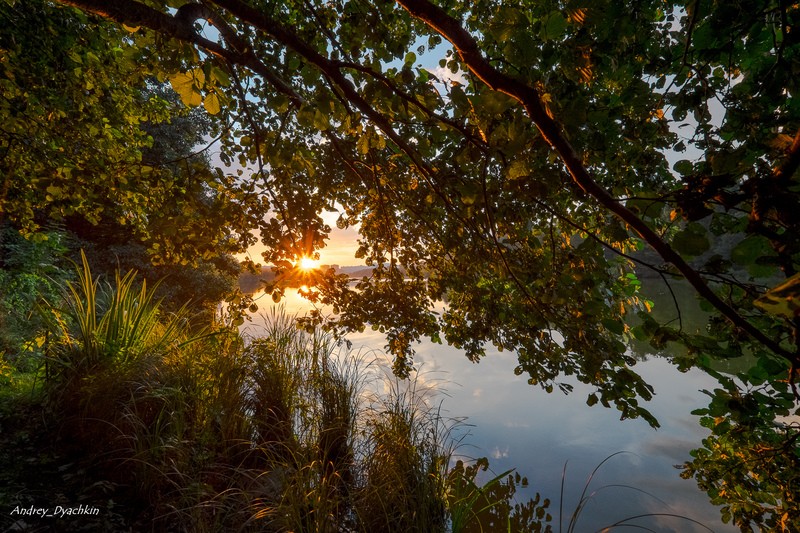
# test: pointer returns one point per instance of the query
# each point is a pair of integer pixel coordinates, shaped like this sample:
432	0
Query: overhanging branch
470	54
181	27
134	13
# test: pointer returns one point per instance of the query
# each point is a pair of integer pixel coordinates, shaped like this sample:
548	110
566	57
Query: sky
340	248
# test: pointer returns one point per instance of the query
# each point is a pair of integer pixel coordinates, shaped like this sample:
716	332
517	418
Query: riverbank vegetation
129	408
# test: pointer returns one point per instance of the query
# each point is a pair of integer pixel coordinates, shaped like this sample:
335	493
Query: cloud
445	75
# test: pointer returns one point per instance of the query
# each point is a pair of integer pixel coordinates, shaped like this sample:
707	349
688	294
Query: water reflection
520	426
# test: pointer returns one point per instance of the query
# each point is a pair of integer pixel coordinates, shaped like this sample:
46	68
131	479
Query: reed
404	467
111	340
119	324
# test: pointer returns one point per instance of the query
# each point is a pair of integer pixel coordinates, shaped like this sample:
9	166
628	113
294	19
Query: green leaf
555	25
691	240
683	167
614	326
617	232
220	76
518	169
640	334
321	121
750	249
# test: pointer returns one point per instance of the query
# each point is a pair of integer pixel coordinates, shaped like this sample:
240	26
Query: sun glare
307	263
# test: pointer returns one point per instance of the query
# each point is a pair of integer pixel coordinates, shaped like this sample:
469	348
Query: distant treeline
250	282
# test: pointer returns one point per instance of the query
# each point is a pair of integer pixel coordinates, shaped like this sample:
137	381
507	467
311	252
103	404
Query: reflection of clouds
687	514
637	497
426	388
674	449
520	426
498	453
691	425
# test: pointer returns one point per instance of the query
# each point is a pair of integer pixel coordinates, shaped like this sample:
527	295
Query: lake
520	426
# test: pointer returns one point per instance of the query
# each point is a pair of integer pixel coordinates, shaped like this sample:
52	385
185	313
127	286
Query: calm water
520	426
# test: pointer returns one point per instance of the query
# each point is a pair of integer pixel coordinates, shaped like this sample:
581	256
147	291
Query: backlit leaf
782	300
211	103
692	240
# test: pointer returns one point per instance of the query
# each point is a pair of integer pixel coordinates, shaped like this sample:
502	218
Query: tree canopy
81	114
516	159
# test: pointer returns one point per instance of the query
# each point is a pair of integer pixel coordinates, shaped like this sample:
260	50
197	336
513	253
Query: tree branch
133	13
181	27
331	71
467	48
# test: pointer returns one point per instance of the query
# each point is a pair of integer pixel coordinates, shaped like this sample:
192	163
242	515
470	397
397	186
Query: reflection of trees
491	507
252	282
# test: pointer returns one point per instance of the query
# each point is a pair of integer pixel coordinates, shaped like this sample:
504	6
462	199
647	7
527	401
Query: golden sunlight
307	263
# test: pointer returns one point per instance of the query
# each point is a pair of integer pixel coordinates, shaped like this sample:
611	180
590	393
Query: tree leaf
555	25
212	104
186	85
782	300
750	249
516	170
692	240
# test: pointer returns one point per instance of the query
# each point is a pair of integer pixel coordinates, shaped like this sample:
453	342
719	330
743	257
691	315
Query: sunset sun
307	263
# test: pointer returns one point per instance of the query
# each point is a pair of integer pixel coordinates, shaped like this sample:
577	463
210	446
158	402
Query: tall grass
216	432
407	452
104	324
110	341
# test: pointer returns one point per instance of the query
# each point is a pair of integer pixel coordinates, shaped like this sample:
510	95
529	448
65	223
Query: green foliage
750	463
477	198
70	108
110	328
515	181
30	269
89	147
203	284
